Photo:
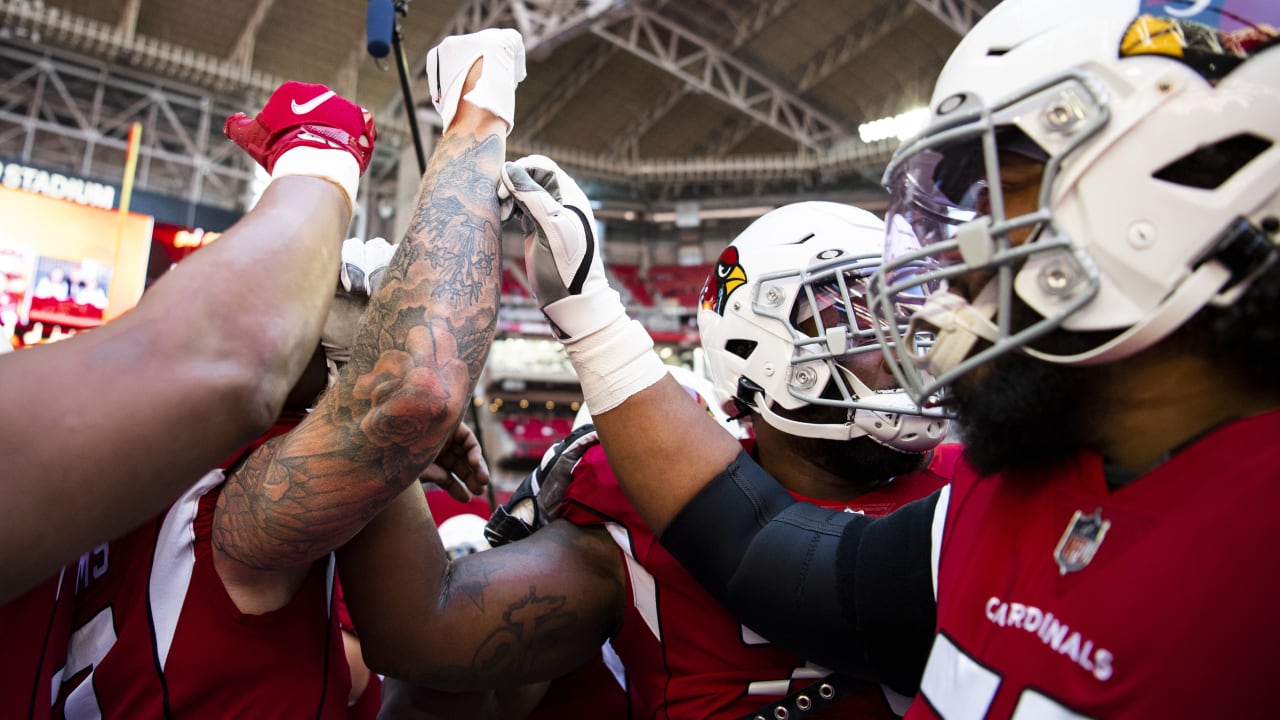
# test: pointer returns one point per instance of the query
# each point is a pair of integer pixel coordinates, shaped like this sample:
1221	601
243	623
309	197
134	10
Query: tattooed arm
524	612
417	355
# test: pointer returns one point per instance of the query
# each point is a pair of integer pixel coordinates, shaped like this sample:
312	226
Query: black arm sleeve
890	592
794	572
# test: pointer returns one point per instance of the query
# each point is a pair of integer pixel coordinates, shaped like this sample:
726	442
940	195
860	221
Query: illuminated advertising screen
68	265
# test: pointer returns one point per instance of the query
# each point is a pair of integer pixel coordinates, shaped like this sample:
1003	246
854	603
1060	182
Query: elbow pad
772	562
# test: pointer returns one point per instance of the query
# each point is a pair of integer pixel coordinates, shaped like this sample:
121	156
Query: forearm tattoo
416	357
525	611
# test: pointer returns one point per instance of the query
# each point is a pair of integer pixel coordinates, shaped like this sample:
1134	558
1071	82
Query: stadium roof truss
774	104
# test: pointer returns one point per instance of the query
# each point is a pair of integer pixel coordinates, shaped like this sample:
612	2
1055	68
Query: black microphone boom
384	34
380	23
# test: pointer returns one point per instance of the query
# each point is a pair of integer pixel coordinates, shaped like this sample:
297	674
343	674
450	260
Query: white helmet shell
1133	108
803	255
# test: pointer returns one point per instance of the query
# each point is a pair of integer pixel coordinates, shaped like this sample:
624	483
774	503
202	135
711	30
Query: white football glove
611	353
364	265
564	260
449	63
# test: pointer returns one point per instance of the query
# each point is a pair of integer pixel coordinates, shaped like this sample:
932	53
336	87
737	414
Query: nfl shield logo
1081	540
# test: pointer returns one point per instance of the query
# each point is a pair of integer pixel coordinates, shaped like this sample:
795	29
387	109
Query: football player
183	380
107	428
221	606
788	297
1092	212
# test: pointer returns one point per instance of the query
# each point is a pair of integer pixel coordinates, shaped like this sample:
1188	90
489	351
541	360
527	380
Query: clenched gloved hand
539	499
449	63
307	129
612	354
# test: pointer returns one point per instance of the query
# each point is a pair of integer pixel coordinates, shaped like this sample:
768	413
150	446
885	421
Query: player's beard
1017	413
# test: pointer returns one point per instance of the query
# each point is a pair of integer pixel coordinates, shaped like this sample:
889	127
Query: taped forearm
774	563
615	363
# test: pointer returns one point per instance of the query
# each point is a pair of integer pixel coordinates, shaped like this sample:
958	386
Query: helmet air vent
1209	166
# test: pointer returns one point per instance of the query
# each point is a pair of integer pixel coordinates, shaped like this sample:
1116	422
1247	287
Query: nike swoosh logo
311	104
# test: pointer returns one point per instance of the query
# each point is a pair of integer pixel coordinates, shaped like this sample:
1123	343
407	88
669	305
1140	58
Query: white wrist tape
615	363
336	166
578	316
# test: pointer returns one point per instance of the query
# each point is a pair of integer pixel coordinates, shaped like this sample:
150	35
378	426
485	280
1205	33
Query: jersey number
958	687
88	645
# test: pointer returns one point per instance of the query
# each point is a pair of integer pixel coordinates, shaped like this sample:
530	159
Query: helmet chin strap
901	430
956	325
821	431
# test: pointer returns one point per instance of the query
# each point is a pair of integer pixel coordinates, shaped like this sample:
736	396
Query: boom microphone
380	23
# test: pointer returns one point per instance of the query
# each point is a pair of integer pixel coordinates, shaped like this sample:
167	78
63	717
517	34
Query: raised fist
562	253
364	264
449	63
304	115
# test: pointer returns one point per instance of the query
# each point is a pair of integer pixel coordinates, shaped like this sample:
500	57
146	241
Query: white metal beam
583	72
714	71
60	111
545	24
746	28
347	77
242	51
99	39
831	58
129	19
959	15
473	15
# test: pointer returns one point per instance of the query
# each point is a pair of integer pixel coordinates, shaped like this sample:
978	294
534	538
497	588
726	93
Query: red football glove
303	114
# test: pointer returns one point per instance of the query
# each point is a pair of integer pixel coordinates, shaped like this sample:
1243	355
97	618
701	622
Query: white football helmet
785	305
1152	128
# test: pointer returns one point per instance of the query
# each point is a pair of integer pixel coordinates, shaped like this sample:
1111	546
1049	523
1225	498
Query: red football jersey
155	634
1061	598
682	655
36	631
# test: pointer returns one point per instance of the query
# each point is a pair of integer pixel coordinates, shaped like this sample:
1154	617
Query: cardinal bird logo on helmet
728	276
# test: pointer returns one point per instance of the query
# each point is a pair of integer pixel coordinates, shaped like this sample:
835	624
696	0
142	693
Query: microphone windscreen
380	20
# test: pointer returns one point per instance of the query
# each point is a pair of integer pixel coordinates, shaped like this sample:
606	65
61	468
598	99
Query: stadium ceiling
654	100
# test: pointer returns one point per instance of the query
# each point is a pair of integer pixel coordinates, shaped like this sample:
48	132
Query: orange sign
77	266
